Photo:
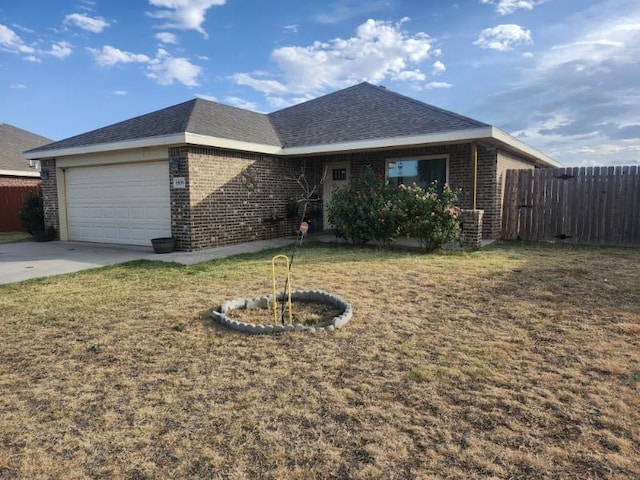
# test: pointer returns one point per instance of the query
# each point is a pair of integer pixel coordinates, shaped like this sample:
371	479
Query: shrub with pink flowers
371	210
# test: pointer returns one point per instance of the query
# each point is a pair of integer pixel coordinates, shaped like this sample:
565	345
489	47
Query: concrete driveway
25	260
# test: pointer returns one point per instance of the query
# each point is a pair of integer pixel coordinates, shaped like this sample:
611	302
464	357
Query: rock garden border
316	296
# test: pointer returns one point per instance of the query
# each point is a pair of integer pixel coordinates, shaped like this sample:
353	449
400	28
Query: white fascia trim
454	136
19	173
226	143
173	139
468	135
523	148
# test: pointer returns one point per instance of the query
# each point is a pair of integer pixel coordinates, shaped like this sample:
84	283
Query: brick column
472	229
50	195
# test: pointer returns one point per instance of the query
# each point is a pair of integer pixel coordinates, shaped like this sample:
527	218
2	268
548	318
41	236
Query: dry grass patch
514	362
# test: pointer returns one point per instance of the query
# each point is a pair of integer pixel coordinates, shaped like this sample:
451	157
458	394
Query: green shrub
365	210
32	213
429	215
370	210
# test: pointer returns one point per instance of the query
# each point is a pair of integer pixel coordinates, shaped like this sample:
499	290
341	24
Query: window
419	170
339	174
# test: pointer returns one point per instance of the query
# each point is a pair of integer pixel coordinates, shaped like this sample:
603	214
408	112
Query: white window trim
417	157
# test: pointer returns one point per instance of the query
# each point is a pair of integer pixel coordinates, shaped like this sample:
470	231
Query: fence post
472	229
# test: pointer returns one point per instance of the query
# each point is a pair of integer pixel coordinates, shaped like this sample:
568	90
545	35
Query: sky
560	75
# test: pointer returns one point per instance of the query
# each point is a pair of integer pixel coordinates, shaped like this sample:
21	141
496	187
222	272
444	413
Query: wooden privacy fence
11	199
593	205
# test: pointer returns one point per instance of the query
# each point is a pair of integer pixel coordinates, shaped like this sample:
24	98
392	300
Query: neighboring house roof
360	117
14	141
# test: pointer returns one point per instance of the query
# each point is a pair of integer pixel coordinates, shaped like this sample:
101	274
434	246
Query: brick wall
233	197
50	196
460	177
10	181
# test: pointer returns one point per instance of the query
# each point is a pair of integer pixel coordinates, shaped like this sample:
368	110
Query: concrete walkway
25	260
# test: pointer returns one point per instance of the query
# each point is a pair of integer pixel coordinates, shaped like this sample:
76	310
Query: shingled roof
363	116
363	112
197	116
14	141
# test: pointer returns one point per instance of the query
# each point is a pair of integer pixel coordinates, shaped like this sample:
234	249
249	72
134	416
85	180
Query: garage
127	203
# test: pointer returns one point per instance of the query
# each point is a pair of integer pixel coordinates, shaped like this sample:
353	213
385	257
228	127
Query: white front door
338	175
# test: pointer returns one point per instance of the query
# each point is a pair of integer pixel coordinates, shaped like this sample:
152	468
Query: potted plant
163	244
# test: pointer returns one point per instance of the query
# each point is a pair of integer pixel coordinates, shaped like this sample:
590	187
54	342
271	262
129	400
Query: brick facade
231	197
11	181
460	175
50	195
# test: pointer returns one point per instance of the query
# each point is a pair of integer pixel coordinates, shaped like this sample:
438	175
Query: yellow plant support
288	288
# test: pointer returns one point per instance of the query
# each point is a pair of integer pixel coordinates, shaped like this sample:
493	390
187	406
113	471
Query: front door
338	175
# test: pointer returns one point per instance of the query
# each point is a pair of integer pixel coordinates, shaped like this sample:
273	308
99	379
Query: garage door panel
126	204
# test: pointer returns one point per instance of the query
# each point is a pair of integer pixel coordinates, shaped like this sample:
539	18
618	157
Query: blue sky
561	75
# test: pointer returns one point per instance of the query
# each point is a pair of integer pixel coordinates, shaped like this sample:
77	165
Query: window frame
444	156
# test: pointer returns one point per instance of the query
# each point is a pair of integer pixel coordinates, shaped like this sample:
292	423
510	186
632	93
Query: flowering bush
369	210
429	216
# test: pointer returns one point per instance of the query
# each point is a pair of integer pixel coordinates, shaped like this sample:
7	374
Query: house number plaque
179	182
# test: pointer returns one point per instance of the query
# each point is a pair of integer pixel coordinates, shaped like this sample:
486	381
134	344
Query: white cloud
60	49
17	86
504	37
241	103
506	7
585	89
110	56
166	70
183	14
438	68
120	92
211	98
166	37
85	22
291	29
379	51
432	85
10	41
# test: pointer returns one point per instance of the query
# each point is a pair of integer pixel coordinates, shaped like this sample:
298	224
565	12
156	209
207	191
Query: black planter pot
163	244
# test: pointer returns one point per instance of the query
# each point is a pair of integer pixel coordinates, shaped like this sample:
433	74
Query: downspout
474	174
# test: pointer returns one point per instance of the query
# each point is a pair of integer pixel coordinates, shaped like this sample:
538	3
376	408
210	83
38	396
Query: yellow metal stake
288	292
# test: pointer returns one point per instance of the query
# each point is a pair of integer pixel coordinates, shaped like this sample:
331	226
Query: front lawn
519	361
11	237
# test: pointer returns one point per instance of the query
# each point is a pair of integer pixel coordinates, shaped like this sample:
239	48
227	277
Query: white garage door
126	204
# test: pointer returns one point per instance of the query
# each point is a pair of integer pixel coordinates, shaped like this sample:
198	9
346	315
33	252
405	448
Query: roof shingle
360	112
14	141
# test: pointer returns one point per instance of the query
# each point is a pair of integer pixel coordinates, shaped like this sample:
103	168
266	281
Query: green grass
518	361
12	237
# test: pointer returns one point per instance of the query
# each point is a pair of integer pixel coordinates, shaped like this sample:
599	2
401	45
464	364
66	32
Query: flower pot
163	244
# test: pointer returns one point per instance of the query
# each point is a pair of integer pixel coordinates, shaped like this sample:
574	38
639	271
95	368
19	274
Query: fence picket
593	205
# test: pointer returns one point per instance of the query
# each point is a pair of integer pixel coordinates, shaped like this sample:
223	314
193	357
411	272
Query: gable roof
14	141
360	117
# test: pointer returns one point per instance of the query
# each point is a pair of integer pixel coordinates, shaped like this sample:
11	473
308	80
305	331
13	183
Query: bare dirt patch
513	362
310	314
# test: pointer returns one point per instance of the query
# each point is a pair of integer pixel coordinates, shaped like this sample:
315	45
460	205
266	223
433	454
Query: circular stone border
316	296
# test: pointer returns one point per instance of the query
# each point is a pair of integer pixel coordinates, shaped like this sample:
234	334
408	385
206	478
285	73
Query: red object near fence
11	198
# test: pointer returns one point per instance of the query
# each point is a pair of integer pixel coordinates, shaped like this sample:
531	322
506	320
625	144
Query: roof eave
488	133
163	140
518	146
20	173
